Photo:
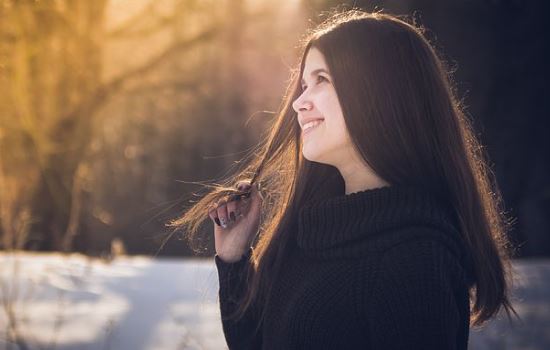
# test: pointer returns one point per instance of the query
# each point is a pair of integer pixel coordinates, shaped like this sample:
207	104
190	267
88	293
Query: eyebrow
315	71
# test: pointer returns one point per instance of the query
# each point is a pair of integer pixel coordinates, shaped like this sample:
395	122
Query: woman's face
328	142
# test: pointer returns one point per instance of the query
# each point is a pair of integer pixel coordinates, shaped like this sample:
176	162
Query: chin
313	157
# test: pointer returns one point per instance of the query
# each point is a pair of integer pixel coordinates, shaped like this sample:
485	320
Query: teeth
311	124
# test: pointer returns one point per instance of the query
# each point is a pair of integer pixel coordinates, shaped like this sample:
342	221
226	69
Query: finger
222	213
241	208
231	207
235	197
213	214
243	185
256	195
238	213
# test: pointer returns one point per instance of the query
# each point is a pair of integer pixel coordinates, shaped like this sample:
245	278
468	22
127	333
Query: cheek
334	116
339	135
331	105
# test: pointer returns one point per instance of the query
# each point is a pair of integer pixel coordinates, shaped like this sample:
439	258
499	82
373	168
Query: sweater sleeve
238	334
413	304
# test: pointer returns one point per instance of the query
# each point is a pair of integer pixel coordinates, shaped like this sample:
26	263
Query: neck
360	177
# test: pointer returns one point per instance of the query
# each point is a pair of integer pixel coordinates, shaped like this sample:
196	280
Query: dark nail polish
243	187
232	216
217	221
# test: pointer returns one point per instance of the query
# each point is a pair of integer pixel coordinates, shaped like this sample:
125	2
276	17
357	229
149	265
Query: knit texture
383	268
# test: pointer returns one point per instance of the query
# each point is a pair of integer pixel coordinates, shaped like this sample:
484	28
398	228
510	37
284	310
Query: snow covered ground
75	302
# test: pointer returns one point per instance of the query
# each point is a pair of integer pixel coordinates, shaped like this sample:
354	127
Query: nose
301	104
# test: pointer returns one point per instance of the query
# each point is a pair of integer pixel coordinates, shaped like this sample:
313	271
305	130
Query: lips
309	126
304	121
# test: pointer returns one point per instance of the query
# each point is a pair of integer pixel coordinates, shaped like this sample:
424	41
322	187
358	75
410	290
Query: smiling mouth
311	125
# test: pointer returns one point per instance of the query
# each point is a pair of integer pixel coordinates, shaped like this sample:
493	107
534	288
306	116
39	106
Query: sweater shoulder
423	248
419	238
425	251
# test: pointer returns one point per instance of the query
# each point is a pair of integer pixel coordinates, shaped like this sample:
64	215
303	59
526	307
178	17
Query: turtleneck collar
361	215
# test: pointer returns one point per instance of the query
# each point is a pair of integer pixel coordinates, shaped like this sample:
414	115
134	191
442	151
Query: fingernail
232	216
223	222
243	187
217	221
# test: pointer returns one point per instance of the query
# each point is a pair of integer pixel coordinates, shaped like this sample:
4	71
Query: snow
76	302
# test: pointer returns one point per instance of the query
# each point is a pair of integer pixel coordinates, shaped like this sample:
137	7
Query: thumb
256	200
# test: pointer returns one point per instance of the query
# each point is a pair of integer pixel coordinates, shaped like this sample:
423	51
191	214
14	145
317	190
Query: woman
380	218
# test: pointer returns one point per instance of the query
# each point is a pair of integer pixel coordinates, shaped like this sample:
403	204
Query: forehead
314	56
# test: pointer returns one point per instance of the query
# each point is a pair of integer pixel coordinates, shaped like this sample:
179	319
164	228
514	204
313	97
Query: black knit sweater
384	268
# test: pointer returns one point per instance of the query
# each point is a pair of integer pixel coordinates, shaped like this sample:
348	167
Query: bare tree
54	91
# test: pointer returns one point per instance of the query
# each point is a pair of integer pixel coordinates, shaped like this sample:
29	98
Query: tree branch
133	21
106	89
158	60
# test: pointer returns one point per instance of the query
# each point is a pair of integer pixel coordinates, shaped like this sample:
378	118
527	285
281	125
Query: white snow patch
76	302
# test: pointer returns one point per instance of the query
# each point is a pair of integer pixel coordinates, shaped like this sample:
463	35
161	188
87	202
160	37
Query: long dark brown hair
401	110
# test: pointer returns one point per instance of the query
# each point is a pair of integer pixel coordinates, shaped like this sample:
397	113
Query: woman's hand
236	222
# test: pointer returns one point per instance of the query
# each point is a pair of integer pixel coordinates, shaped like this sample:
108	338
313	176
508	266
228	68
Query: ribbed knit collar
360	215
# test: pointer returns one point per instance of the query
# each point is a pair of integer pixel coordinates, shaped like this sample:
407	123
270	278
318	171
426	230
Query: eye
319	78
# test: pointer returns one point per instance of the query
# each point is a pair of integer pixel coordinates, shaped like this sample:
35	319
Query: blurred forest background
113	110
